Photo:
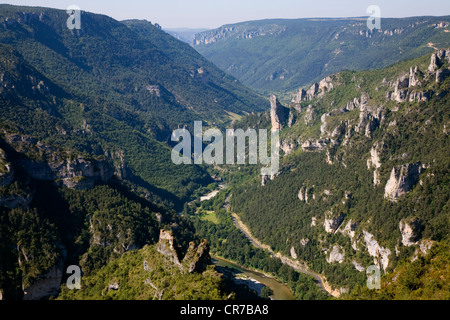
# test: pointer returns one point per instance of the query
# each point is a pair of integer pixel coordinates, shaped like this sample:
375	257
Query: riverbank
296	265
280	290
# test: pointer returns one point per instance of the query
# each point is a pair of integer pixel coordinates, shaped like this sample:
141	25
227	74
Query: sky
215	13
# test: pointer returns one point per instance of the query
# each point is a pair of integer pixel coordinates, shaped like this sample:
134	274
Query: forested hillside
278	55
365	172
85	167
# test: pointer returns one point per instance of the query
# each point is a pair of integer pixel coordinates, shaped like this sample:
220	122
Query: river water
280	290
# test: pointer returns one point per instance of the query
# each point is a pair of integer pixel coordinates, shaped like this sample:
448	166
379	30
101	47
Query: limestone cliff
196	259
402	180
45	162
411	230
278	113
168	246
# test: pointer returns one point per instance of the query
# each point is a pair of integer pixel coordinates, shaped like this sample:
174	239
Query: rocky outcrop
337	254
287	146
303	194
380	254
315	145
197	259
411	230
370	117
53	164
45	285
401	89
293	253
244	31
441	75
423	247
168	246
316	90
375	162
278	113
358	266
291	119
438	59
13	201
6	170
332	221
350	229
414	76
310	114
402	180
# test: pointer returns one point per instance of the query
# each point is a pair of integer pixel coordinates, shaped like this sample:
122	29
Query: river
280	290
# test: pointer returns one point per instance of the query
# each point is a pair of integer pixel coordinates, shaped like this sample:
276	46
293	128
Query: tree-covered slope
279	55
112	89
365	172
85	116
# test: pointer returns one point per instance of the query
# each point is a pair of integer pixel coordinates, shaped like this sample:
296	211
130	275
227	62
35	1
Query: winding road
296	265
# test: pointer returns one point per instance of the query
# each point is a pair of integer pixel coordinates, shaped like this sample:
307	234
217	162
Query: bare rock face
414	74
441	75
333	221
303	194
380	254
325	85
315	145
167	245
401	89
293	253
46	285
291	119
337	254
315	90
309	114
6	170
278	113
437	59
411	230
197	259
287	146
402	180
375	162
54	164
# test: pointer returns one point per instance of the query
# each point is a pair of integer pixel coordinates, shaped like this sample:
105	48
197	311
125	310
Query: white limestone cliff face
411	231
332	221
292	252
375	162
402	180
380	254
350	231
337	254
423	246
277	113
305	194
358	266
316	90
168	246
53	164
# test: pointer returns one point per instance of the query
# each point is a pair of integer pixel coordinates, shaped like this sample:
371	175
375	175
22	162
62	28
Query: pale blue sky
214	13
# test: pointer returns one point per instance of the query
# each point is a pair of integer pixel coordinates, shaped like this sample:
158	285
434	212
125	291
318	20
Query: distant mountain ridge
279	55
